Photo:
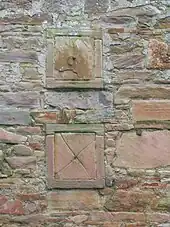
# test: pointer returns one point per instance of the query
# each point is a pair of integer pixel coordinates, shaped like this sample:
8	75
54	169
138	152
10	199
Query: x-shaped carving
71	151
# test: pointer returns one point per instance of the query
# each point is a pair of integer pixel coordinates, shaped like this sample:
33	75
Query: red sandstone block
151	110
150	150
102	216
30	196
12	207
74	200
132	200
28	130
9	137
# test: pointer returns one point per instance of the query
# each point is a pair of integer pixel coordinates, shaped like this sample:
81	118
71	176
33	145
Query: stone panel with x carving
75	156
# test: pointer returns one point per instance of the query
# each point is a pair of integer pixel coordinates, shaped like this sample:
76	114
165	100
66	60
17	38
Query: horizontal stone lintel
97	128
52	83
86	184
52	32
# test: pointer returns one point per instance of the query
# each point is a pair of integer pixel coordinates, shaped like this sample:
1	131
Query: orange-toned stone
75	156
158	55
74	58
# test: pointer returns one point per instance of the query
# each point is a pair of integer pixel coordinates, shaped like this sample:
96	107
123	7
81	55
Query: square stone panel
73	59
75	158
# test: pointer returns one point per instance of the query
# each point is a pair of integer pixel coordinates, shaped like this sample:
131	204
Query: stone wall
132	104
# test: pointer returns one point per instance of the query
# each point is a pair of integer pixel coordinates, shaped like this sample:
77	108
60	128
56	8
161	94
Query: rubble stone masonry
84	113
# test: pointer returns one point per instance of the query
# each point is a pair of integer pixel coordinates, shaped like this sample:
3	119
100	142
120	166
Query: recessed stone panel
75	156
73	59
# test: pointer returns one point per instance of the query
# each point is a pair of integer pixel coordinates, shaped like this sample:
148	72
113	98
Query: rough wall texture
133	106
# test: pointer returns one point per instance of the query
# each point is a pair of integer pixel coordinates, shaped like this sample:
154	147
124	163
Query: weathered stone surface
73	200
18	56
96	6
79	219
36	142
79	67
126	48
31	73
11	4
36	19
28	130
158	55
118	20
20	99
134	200
79	100
152	110
163	23
142	10
22	162
135	77
9	137
150	150
14	207
75	157
22	150
44	117
69	6
14	117
158	217
127	92
128	61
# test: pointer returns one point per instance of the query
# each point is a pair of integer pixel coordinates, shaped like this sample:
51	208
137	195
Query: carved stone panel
75	157
73	60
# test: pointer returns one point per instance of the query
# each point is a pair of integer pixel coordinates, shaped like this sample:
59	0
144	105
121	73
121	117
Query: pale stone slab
14	117
150	150
80	100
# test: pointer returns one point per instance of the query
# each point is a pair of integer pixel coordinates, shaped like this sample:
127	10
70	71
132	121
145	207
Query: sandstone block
150	150
14	116
134	200
9	137
28	162
22	150
18	57
73	200
79	100
151	110
126	93
20	99
14	207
